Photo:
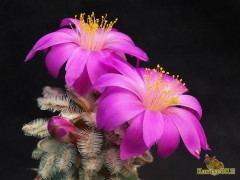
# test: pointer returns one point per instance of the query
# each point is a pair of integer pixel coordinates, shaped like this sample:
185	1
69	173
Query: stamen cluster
92	25
161	89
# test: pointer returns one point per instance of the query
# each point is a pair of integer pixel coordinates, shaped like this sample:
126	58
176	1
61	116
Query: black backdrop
197	39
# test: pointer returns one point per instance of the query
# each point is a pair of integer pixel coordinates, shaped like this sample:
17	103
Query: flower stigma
162	90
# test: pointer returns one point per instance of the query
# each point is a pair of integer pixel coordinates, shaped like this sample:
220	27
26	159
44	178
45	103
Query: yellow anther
166	91
175	100
197	152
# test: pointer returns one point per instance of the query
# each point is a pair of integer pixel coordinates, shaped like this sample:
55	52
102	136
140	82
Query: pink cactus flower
154	105
62	130
87	47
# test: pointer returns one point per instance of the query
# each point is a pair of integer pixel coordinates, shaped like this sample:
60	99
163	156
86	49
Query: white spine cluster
47	167
36	128
112	160
54	103
89	142
67	156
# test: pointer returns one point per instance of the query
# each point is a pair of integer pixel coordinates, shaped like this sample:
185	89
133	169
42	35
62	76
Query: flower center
93	31
162	90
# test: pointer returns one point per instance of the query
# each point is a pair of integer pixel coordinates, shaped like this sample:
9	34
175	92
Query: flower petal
49	40
118	80
126	69
152	127
117	108
83	85
57	56
96	68
201	133
195	122
93	67
72	32
170	138
127	48
75	65
70	21
133	143
190	102
186	129
118	37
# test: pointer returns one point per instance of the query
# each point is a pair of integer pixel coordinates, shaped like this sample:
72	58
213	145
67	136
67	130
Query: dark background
197	39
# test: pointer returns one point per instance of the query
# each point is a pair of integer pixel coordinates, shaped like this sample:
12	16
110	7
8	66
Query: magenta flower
153	104
87	48
62	130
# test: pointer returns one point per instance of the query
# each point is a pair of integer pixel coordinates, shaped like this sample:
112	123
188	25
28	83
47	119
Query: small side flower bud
62	130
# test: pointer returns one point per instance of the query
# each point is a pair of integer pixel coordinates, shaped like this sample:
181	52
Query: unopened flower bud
62	130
